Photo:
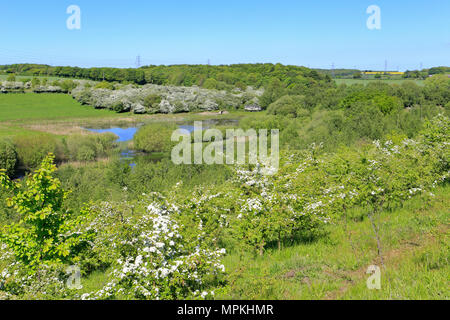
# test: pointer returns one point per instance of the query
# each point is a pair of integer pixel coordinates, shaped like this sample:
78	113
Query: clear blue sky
310	33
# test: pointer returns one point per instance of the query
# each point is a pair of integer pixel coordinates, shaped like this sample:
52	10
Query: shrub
105	85
8	156
157	261
289	106
68	85
32	149
86	153
89	148
154	138
43	233
35	82
210	84
152	101
118	107
387	104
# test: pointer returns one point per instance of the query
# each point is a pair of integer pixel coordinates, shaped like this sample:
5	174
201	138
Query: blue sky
309	33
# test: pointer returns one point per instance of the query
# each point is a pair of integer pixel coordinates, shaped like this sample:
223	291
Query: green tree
8	156
11	78
45	230
35	82
154	138
437	89
289	106
210	84
152	102
272	93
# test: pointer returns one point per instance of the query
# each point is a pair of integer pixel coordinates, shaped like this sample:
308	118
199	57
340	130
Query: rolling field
28	113
32	106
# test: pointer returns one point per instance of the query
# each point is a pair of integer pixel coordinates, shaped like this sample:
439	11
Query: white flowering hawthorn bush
172	99
47	282
269	213
150	258
312	189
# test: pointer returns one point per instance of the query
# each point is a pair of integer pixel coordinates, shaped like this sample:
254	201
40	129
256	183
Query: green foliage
272	93
104	85
154	138
11	77
35	82
210	84
224	77
45	232
387	104
357	75
8	156
289	106
32	149
152	102
437	89
67	85
88	148
410	93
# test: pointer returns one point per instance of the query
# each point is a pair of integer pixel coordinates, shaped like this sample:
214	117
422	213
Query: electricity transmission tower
138	61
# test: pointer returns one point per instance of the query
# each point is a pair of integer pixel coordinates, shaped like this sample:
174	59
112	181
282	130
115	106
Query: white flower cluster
173	99
159	261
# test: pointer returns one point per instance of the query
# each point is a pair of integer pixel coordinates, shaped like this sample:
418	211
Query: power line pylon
138	62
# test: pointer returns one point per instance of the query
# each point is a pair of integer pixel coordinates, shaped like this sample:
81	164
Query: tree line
221	77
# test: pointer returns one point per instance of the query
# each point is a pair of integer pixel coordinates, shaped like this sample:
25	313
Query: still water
126	134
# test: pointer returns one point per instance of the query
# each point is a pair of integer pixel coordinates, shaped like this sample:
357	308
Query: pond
126	134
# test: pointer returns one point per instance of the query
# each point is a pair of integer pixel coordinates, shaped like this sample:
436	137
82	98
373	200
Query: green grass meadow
33	106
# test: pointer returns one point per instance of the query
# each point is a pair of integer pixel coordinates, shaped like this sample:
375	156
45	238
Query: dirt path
392	259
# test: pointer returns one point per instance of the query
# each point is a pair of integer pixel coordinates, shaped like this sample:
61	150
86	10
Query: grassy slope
415	248
32	106
22	114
